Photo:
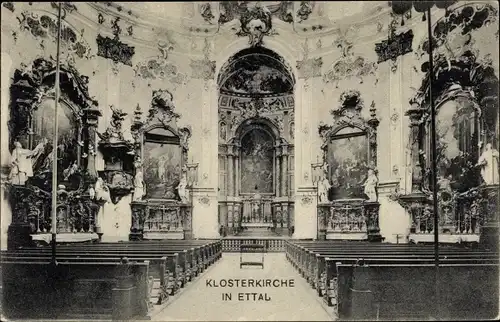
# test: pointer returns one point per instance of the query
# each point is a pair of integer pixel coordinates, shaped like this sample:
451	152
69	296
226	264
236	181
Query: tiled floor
201	302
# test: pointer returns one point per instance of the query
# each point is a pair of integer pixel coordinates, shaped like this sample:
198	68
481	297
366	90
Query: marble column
230	174
237	173
284	171
415	114
277	173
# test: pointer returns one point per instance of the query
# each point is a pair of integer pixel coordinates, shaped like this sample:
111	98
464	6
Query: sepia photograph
250	161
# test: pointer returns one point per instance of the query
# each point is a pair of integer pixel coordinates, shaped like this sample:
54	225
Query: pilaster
305	213
205	210
394	220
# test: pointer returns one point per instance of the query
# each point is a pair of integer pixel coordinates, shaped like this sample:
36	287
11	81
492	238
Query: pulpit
31	133
161	206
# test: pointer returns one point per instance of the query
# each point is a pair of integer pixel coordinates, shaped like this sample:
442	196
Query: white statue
91	193
488	161
323	187
181	188
139	187
21	164
371	185
102	191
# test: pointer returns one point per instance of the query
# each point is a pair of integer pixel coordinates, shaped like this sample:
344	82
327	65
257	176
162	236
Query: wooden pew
319	261
162	283
402	292
181	266
307	261
190	262
40	290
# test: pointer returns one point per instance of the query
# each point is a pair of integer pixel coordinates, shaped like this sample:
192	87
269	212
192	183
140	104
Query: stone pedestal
305	214
205	214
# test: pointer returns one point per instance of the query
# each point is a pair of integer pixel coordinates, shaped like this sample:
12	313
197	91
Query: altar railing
349	219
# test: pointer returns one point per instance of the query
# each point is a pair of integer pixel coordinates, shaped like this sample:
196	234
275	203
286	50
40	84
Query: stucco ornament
255	23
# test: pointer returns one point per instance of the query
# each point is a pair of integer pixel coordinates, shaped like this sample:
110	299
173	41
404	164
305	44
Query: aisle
202	301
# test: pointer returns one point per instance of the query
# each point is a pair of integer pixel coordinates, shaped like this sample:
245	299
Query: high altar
248	119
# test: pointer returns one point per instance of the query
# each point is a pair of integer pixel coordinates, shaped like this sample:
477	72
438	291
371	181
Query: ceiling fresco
256	71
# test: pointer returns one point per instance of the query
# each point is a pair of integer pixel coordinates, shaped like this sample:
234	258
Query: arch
256	122
256	71
283	50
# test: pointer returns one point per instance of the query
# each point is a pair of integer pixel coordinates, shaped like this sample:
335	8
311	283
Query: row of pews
372	281
126	280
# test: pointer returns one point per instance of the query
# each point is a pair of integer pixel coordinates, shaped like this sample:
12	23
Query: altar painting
347	159
457	142
257	154
43	133
162	170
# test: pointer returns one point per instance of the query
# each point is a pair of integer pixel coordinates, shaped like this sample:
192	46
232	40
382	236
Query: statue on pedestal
181	188
371	185
139	187
488	161
323	187
21	164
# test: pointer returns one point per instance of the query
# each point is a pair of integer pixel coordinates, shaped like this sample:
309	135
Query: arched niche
349	148
31	132
160	207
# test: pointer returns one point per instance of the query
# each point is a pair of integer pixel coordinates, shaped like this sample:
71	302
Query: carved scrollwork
348	65
452	32
204	200
309	67
305	9
230	10
255	23
306	200
44	26
159	67
162	106
115	50
206	12
204	68
397	45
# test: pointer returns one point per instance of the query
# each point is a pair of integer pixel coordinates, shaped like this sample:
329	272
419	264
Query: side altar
163	180
31	133
347	180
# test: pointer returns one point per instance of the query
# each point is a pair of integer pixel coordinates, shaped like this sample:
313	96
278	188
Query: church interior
144	144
